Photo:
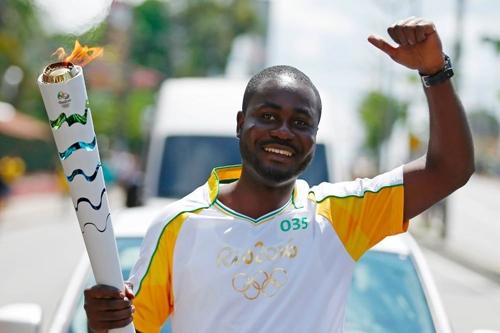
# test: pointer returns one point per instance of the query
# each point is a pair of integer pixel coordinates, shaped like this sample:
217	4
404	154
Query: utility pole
457	46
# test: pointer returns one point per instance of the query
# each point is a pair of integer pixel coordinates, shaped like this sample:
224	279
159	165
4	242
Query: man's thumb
128	291
382	45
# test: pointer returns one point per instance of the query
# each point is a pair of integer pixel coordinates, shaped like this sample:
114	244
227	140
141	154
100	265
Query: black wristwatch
444	74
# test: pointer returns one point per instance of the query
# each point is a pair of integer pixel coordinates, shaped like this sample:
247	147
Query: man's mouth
279	151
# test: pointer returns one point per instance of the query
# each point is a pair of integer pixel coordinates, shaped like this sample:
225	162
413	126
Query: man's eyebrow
267	104
304	111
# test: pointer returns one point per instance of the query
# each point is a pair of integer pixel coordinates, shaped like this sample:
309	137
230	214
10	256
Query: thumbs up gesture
418	45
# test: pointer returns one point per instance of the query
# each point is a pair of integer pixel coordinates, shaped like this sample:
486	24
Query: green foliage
484	124
181	38
105	111
379	113
194	40
150	36
20	40
137	100
35	153
203	31
486	130
494	41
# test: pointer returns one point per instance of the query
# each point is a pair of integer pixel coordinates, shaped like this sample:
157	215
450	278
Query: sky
74	16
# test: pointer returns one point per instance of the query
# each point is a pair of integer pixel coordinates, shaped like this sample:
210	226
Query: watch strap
443	75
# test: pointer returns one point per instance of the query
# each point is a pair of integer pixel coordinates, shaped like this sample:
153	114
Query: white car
392	289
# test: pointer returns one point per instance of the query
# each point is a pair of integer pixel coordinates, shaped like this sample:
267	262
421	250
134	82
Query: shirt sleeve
151	277
364	211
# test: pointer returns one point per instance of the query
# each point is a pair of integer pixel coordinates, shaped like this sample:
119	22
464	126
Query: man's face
278	131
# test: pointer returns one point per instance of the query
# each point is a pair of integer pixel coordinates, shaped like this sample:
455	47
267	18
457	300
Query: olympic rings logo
262	282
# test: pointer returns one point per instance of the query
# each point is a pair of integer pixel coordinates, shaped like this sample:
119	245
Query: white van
193	130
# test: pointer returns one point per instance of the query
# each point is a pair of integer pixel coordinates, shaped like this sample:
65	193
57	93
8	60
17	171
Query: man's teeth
278	151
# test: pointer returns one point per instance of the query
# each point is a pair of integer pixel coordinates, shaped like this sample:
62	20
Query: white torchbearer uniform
212	269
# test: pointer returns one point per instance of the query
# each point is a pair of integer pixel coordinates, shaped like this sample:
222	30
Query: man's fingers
381	44
410	34
114	315
107	304
411	31
108	307
106	325
128	291
397	33
429	27
392	32
103	291
420	30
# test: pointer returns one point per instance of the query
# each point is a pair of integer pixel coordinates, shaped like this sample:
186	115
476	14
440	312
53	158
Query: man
255	249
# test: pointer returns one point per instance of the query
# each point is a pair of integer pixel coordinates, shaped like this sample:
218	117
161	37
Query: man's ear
240	119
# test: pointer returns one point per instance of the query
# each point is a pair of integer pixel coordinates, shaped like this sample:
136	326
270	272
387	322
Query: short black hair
272	73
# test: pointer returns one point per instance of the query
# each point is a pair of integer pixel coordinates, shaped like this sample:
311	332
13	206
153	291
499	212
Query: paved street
40	244
472	301
474	216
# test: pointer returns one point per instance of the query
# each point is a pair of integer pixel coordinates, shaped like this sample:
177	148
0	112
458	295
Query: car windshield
188	160
386	297
386	294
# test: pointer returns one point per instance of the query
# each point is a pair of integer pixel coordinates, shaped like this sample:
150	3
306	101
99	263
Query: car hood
133	222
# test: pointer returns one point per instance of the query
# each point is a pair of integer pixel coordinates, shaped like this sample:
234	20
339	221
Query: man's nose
282	132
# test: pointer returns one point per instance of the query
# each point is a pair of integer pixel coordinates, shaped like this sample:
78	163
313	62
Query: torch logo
63	99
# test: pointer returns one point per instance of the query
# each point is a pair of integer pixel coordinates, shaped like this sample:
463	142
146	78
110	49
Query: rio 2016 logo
63	99
260	283
260	253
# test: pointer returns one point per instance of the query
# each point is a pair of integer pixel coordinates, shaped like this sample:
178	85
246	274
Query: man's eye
301	123
268	116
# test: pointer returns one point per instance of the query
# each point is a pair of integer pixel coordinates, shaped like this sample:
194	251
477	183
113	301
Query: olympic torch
64	94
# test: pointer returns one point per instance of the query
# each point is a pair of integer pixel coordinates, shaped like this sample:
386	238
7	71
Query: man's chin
277	176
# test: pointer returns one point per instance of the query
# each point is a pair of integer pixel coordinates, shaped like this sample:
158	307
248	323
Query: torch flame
81	55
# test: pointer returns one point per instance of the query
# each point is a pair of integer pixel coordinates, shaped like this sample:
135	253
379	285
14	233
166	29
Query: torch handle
71	122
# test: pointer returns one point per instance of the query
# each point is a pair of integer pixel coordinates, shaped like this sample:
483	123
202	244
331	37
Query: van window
188	160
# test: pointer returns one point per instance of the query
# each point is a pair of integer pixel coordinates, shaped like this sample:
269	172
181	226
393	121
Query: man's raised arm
449	161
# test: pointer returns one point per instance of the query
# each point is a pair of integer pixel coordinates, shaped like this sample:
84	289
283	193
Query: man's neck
253	198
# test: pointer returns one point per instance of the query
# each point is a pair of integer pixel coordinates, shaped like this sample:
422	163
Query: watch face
447	63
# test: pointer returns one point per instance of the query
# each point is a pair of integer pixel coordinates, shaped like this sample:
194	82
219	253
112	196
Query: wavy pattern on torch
72	119
94	207
77	145
81	172
96	227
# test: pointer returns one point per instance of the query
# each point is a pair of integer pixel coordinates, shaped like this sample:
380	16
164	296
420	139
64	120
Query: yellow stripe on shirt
154	300
363	221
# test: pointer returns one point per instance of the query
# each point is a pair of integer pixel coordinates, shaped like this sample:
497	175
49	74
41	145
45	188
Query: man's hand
108	307
419	46
449	161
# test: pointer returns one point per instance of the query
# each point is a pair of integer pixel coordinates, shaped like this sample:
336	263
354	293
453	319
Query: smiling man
256	249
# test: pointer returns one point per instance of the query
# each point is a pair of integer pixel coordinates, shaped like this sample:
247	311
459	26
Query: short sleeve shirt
212	269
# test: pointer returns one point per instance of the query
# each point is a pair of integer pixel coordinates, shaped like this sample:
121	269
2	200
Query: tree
150	36
485	129
203	31
379	113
